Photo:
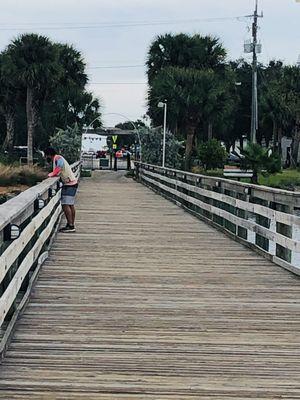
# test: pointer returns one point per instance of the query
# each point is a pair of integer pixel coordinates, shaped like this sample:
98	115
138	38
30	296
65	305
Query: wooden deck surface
147	302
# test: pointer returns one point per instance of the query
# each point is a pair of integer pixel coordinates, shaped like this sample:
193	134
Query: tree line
210	97
42	88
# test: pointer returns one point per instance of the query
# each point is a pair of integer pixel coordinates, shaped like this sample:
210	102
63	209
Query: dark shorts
68	194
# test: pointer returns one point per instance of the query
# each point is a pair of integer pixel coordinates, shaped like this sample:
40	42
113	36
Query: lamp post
164	106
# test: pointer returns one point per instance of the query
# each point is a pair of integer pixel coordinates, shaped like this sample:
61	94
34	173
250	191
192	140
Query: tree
68	142
70	102
212	154
131	125
184	51
190	73
259	159
48	82
240	117
192	96
8	97
12	95
291	87
152	140
273	107
34	65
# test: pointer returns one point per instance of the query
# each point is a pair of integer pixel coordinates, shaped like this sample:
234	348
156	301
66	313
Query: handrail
263	218
242	185
27	223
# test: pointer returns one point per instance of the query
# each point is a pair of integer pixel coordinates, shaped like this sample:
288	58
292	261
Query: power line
118	25
117	66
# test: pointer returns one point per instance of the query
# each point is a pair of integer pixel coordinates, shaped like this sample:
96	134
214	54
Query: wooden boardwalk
147	302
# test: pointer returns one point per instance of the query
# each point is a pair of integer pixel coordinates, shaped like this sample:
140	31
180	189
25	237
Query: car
88	153
234	158
19	153
101	154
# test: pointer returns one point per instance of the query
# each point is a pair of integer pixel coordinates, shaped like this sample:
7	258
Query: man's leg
73	212
68	214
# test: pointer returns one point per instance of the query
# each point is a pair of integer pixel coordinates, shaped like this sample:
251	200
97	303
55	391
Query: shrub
8	159
212	154
68	143
85	173
29	175
21	175
259	159
152	147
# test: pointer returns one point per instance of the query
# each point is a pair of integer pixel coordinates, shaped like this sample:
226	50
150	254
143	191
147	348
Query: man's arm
59	163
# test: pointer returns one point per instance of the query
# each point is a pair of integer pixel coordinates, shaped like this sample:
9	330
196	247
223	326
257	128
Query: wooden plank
17	246
9	296
10	210
275	215
276	237
147	302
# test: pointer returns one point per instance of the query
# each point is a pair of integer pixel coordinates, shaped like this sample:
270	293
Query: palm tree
291	89
7	105
192	95
185	51
35	67
198	64
257	158
70	103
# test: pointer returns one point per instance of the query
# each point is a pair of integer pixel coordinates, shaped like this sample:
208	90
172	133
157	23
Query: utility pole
256	48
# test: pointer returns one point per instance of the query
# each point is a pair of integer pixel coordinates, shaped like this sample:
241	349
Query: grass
218	173
288	179
11	175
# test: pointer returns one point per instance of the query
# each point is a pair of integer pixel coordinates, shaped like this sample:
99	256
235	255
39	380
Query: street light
163	105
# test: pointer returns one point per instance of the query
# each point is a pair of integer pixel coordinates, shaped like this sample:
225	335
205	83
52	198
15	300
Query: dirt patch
4	190
8	192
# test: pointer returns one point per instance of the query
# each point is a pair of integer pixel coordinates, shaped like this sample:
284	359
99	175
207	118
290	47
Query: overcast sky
99	29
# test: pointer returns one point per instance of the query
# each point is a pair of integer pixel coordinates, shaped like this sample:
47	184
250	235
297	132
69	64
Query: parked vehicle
234	158
101	154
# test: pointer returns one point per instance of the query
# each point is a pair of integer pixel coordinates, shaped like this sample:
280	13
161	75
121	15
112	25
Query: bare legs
69	212
73	214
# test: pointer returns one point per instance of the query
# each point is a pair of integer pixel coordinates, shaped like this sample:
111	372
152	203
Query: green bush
8	159
68	143
86	173
152	147
259	159
212	154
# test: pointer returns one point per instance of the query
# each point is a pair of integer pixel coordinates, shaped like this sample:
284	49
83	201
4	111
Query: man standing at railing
62	169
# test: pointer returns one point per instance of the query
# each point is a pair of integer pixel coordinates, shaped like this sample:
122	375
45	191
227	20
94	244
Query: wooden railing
27	224
263	218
